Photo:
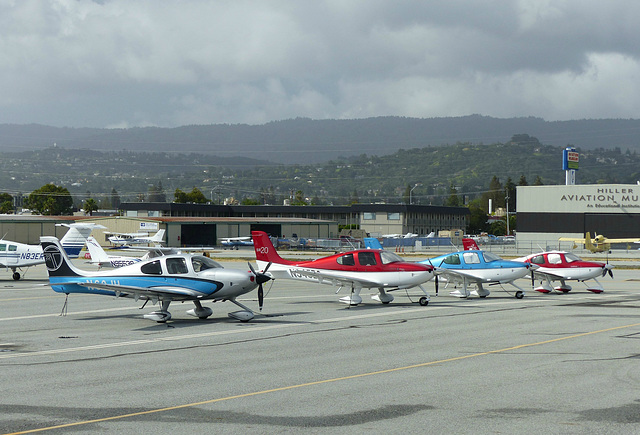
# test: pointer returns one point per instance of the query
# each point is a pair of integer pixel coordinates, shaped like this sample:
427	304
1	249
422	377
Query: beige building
546	213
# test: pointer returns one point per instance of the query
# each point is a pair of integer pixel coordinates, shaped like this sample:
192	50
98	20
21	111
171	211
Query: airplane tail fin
470	245
372	243
587	242
75	238
97	253
56	259
158	237
265	250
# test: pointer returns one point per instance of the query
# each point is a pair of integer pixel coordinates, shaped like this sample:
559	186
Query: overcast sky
126	63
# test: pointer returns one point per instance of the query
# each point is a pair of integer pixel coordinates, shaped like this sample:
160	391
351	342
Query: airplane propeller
533	278
607	269
261	278
436	276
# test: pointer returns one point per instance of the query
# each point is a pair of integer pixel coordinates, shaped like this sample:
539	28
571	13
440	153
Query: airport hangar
204	224
546	213
374	219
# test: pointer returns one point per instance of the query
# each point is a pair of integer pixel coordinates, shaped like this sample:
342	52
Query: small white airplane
183	277
102	259
399	236
14	255
135	238
235	242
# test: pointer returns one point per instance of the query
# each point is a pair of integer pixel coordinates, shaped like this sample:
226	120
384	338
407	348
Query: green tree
406	196
298	198
510	191
478	219
195	196
89	206
495	194
50	200
6	203
354	198
250	201
156	193
180	196
538	181
454	199
114	199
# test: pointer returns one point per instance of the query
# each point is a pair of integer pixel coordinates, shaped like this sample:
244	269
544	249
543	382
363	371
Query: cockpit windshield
200	263
571	257
389	257
489	257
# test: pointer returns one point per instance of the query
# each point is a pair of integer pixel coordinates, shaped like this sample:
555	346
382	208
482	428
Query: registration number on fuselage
32	256
304	274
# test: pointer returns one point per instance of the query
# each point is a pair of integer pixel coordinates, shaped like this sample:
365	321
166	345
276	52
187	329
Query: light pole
411	191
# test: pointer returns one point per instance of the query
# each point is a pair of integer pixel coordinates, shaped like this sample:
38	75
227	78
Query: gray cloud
138	63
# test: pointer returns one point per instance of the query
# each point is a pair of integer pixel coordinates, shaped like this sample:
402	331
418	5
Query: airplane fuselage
401	275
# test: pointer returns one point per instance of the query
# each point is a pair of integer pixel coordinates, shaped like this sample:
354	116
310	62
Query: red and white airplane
363	268
565	266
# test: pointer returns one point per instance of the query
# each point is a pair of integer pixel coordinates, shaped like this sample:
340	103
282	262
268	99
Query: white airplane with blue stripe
15	255
161	280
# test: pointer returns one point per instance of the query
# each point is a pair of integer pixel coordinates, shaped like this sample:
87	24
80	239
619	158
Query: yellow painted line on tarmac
320	382
26	298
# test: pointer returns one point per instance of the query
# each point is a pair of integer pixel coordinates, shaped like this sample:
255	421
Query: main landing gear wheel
519	294
424	301
16	276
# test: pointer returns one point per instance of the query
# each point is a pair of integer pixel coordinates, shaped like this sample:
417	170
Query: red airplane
565	266
363	268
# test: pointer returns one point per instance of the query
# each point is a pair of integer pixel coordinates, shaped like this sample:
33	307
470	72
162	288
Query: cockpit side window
3	247
177	265
346	260
152	268
367	258
554	258
471	258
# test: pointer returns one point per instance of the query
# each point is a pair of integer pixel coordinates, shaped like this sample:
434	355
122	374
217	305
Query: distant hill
305	140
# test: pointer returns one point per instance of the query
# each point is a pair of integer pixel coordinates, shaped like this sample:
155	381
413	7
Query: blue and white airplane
478	267
235	242
182	277
15	255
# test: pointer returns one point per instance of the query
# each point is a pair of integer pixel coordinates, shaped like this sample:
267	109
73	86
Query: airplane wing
456	275
544	275
152	292
459	275
636	240
572	239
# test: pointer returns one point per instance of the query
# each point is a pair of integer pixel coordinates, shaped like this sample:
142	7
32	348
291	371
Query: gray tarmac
555	364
